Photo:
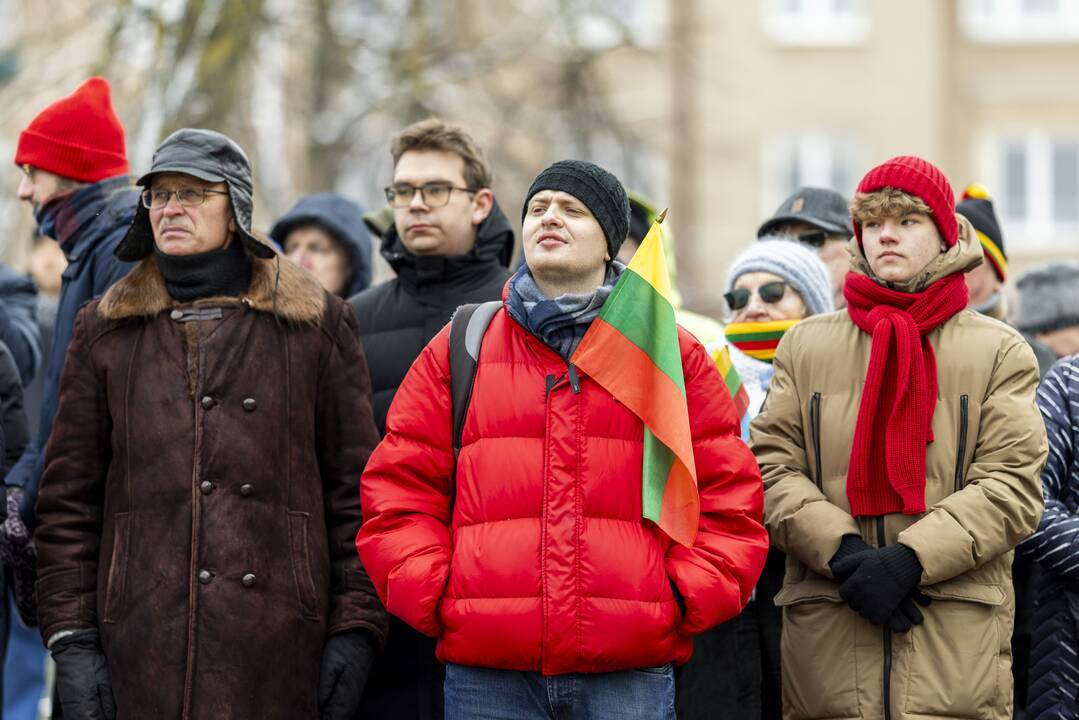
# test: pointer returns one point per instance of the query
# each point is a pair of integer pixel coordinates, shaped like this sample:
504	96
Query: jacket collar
961	257
299	297
493	248
77	220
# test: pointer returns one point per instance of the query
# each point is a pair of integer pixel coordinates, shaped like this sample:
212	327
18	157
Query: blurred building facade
815	92
715	109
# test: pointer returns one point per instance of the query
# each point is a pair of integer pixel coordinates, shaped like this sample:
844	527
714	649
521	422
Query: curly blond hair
886	202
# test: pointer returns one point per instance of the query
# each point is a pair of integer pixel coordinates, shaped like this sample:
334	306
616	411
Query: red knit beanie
77	137
922	179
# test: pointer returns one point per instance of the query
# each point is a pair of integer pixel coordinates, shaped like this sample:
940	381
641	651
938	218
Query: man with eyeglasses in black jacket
450	245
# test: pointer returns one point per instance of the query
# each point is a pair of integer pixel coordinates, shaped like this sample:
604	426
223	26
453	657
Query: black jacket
90	222
14	429
18	326
399	317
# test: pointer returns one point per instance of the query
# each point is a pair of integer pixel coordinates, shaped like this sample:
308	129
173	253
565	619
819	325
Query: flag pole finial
661	217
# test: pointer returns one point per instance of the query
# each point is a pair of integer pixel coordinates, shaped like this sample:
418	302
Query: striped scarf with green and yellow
758	339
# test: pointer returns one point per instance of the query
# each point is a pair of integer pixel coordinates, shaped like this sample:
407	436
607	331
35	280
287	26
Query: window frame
815	23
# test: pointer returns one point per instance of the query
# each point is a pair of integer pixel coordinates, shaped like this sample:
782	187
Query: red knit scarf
887	460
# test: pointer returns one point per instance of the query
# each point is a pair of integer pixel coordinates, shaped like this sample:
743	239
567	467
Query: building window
1020	21
815	158
815	23
615	22
1065	159
1036	178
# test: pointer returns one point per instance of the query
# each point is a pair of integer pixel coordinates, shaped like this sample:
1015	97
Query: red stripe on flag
681	510
626	371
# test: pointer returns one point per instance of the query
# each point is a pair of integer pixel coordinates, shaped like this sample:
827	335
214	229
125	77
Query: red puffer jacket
539	559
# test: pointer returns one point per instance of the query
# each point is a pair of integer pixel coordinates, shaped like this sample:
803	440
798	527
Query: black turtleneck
218	272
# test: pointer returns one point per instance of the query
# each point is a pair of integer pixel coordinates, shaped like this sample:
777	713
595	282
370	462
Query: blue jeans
24	670
474	693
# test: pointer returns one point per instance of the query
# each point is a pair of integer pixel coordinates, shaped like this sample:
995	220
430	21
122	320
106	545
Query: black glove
346	662
878	582
849	546
82	677
907	615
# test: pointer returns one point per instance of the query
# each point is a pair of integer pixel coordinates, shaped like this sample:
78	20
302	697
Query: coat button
250	404
205	576
176	314
248	580
246	489
207	402
206	486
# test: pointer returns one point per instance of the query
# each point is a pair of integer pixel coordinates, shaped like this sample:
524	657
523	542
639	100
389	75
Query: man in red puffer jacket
549	593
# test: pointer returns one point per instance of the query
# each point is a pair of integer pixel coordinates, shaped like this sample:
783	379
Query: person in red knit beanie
76	140
75	167
901	450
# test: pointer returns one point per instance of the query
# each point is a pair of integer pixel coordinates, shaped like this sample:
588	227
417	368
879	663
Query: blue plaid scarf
562	322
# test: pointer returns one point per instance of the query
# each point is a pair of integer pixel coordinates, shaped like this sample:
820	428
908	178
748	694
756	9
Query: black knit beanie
978	208
600	191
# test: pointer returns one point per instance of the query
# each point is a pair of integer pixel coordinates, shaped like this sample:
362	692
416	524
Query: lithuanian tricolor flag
721	356
632	351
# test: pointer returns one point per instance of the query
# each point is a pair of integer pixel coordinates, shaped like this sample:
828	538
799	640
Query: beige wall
916	85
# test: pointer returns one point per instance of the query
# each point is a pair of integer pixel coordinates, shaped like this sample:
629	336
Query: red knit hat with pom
920	178
77	137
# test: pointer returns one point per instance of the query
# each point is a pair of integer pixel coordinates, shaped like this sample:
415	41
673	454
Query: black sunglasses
813	238
770	293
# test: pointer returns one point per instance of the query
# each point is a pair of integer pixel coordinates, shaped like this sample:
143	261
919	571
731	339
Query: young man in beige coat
901	448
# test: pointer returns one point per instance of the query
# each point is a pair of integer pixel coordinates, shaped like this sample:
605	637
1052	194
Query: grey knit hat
796	264
1048	297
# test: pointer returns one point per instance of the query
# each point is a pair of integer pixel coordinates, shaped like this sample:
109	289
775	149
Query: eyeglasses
770	293
432	194
813	238
186	196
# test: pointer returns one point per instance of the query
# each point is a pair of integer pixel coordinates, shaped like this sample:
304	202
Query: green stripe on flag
656	468
733	381
647	320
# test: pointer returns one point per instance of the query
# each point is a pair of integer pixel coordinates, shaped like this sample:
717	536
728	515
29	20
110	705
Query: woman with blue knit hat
771	286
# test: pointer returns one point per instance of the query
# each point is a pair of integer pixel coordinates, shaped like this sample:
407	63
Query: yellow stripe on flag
650	263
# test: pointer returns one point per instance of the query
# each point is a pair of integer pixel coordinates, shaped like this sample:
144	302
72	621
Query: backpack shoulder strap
467	328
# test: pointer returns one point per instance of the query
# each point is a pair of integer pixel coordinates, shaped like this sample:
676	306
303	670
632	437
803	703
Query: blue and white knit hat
795	263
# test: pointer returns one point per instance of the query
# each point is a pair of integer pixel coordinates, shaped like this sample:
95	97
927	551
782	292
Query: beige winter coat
982	493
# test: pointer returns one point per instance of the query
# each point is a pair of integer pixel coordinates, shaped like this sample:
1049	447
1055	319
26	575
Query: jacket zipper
550	382
882	541
814	421
574	381
960	454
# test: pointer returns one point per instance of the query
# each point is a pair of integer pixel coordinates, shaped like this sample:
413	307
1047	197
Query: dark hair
434	134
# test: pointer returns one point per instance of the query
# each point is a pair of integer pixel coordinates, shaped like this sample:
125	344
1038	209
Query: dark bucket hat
209	156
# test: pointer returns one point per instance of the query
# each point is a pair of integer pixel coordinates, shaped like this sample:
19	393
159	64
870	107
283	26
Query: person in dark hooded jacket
325	234
450	244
